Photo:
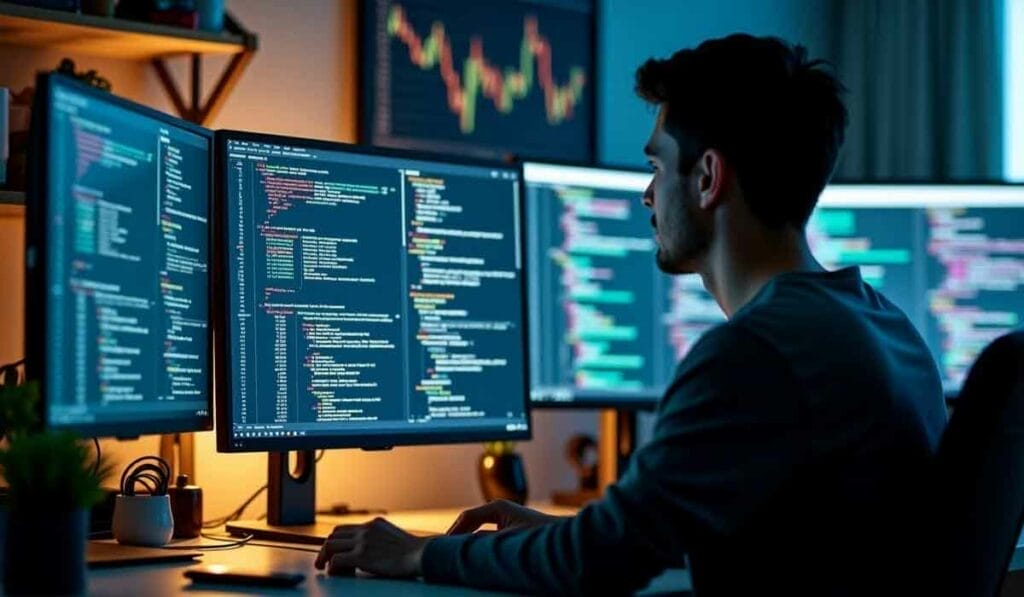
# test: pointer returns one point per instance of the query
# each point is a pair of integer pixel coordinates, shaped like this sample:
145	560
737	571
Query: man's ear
711	180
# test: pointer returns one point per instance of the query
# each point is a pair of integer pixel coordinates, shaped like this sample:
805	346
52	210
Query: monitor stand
291	504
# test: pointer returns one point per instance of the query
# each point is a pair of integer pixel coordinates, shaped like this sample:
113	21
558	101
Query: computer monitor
950	255
372	299
117	255
607	327
480	78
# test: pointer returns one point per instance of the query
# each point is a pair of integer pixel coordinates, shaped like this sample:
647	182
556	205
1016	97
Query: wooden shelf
110	37
12	204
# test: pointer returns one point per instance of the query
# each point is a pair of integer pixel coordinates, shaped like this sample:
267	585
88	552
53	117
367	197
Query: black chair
980	476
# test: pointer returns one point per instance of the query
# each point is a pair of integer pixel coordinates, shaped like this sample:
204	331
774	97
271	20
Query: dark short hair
777	117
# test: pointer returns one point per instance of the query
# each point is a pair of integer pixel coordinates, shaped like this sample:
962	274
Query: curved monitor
372	298
117	256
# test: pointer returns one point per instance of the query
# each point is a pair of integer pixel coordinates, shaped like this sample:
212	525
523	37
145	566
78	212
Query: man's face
683	231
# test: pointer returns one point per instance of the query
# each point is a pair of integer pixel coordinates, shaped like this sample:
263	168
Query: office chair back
980	467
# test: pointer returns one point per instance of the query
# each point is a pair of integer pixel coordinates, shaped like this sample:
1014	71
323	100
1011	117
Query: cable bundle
151	472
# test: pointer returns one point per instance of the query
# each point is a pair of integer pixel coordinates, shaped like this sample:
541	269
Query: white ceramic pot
143	520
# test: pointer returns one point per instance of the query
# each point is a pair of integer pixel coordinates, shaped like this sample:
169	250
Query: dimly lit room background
936	91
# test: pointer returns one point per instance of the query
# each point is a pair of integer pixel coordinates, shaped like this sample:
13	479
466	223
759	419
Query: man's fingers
343	564
332	547
347	530
472	519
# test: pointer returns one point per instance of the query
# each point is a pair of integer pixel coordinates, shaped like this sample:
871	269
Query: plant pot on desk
44	553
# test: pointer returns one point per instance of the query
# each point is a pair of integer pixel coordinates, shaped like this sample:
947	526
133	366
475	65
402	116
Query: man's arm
724	442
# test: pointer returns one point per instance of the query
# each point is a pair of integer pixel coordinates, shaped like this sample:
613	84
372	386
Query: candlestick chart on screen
487	77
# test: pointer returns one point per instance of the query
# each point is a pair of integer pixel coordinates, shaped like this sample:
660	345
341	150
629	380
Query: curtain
925	89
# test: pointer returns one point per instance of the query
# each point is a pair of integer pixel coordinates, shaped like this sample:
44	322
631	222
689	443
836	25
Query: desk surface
168	579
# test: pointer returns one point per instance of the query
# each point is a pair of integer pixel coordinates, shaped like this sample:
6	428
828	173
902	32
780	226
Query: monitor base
307	534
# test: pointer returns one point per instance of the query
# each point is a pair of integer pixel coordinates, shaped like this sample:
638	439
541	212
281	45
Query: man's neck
734	272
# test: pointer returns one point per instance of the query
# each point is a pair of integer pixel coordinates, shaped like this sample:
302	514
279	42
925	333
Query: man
785	451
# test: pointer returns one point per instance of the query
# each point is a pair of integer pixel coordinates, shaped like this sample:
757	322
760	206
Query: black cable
263	543
280	546
320	455
152	472
344	510
227	543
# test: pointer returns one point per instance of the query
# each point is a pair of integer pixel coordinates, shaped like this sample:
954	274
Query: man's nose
648	198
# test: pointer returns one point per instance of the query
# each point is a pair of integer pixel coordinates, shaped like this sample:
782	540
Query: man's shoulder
729	339
733	368
733	345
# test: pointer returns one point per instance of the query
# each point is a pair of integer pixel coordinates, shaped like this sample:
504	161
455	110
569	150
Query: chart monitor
480	78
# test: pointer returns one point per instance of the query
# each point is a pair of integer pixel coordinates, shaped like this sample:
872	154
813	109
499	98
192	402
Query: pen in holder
144	518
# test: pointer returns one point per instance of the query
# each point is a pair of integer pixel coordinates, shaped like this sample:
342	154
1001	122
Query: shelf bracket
195	111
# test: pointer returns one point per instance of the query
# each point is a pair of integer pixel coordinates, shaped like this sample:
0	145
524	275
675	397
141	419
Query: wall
632	31
301	82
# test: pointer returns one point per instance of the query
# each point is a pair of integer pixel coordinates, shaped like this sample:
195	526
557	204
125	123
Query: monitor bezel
366	441
36	263
366	100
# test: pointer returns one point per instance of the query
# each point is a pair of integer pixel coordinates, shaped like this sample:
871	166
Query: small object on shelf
177	13
89	77
211	15
103	8
186	19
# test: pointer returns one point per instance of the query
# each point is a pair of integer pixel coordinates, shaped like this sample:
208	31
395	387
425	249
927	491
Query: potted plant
52	482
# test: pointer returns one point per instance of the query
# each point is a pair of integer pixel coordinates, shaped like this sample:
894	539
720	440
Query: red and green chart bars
485	78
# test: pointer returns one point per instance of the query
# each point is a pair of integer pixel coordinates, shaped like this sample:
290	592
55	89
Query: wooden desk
436	520
168	579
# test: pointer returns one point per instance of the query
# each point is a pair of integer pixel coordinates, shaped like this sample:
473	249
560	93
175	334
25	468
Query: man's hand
503	513
377	547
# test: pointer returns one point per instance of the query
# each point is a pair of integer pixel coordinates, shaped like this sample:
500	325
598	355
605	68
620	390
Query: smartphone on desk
232	575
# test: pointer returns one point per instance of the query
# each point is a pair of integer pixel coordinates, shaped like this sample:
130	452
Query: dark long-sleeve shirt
784	458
